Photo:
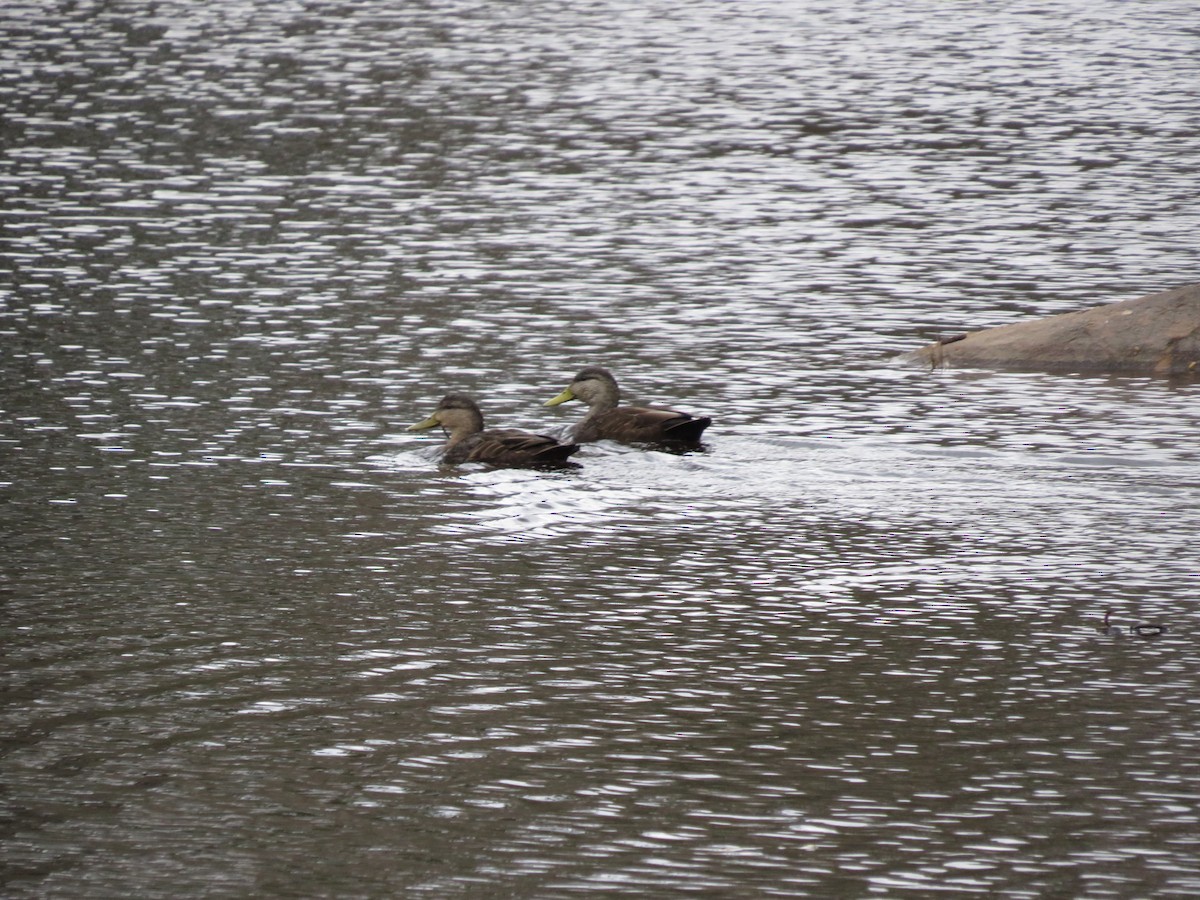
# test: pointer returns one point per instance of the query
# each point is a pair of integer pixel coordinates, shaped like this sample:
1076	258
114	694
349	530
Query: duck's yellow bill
431	422
561	398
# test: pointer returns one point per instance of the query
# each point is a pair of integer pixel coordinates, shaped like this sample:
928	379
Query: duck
468	441
597	387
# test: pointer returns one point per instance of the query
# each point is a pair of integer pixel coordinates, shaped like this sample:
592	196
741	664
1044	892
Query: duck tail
556	452
689	429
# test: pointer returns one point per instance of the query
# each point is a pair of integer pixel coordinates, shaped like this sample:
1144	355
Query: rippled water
257	641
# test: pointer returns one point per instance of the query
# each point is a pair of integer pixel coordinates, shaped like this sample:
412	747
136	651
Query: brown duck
606	420
467	441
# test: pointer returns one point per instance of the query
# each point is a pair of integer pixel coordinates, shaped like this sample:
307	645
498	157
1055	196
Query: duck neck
601	399
458	435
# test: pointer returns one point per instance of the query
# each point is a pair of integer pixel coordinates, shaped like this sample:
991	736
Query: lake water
257	642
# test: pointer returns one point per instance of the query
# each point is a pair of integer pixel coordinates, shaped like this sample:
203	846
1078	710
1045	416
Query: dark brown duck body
469	441
634	424
606	420
506	447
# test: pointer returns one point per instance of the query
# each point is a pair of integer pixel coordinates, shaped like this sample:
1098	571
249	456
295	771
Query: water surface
258	642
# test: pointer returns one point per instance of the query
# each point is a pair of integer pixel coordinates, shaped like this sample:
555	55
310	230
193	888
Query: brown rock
1158	334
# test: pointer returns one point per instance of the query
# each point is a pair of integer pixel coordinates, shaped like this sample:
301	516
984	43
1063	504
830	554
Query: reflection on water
258	641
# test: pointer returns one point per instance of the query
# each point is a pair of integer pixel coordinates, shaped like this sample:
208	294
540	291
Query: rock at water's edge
1158	334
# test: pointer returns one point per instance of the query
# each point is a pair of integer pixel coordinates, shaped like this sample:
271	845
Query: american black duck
606	420
467	441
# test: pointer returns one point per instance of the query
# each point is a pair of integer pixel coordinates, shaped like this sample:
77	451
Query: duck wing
509	447
645	423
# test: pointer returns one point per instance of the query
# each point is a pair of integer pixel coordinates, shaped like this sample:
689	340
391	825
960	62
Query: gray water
257	642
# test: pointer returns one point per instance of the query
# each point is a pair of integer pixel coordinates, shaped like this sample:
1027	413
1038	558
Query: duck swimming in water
468	441
605	419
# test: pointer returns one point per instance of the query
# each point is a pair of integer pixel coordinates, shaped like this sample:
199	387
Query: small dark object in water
1141	629
606	420
1147	629
461	419
1108	627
